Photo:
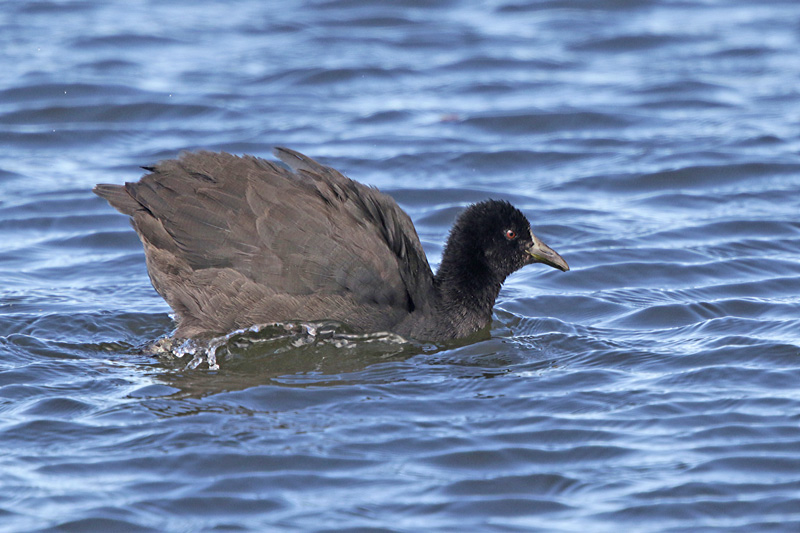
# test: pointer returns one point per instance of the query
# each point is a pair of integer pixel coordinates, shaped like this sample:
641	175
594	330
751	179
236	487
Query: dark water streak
652	388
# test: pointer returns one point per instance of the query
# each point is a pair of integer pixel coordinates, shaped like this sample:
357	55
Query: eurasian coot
235	241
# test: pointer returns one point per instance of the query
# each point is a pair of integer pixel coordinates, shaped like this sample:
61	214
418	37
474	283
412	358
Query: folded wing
234	241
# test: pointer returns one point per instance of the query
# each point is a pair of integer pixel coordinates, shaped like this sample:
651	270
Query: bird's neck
466	291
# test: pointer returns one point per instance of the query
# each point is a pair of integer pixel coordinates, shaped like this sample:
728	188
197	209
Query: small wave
123	40
628	43
112	113
542	122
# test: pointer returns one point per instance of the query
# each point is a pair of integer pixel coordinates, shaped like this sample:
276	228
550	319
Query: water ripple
651	388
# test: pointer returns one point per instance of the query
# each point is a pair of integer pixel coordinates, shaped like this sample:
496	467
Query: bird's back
235	241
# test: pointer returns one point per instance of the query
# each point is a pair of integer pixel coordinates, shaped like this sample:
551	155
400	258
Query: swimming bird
234	241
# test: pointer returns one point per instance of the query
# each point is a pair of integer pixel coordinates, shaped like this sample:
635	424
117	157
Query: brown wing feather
232	241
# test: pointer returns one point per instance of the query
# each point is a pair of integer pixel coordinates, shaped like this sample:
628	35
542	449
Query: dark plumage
235	241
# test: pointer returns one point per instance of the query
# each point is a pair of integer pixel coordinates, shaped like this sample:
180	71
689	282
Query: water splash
274	338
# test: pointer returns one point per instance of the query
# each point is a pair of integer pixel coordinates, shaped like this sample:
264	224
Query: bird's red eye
511	234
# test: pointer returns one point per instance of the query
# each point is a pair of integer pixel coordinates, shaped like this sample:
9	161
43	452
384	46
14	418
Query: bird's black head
498	236
489	241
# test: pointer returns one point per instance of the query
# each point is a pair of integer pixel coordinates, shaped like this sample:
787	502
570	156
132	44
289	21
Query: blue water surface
655	387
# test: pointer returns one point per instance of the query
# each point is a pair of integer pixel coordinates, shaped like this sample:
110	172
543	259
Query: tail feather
118	197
